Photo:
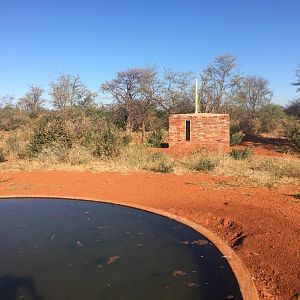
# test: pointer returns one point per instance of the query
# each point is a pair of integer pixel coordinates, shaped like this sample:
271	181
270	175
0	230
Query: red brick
207	130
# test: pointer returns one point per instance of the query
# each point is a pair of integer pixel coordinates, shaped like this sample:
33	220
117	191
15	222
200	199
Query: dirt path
261	225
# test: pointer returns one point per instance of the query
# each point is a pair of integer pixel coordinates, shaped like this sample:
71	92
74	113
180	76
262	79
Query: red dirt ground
262	225
259	145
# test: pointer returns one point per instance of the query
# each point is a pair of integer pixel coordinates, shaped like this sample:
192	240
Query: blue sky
41	38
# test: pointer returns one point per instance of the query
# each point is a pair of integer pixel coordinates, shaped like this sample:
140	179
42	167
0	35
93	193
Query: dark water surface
54	249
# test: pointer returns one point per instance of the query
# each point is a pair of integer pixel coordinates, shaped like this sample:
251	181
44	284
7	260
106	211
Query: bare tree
32	102
217	83
69	91
297	82
7	101
253	94
136	90
293	108
175	92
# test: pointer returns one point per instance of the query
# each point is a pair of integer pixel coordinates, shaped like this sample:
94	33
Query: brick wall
206	131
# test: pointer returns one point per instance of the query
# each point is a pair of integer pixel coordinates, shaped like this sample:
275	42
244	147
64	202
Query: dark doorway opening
187	130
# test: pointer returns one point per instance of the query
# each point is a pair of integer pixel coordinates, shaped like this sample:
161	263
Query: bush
52	155
292	128
2	156
135	156
292	131
161	163
251	126
17	146
235	127
50	133
164	167
110	143
240	154
156	138
12	118
79	155
236	138
270	116
205	164
293	108
296	143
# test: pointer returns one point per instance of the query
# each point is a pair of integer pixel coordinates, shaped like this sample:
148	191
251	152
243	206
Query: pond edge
244	279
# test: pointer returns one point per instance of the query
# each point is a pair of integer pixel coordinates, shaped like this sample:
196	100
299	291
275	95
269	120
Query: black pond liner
68	249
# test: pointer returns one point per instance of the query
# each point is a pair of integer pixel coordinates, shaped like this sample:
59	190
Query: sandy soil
262	225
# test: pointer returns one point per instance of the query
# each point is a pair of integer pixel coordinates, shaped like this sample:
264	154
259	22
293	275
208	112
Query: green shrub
293	108
270	116
251	126
109	143
292	128
236	138
296	143
50	133
2	156
235	128
205	164
156	138
292	131
240	154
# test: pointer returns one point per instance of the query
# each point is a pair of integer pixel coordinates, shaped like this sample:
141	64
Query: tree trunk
129	125
143	130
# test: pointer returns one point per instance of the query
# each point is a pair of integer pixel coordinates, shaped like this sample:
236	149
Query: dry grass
254	171
261	171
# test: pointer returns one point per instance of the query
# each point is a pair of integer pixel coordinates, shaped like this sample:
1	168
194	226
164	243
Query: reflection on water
11	284
58	250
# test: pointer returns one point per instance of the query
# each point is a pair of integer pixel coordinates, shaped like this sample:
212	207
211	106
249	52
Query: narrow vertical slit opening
187	130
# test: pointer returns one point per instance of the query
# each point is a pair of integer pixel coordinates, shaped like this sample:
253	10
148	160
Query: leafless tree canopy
33	101
69	91
293	108
217	82
176	92
6	101
253	94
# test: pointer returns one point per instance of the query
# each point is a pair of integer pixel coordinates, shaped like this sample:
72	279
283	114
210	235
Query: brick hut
200	130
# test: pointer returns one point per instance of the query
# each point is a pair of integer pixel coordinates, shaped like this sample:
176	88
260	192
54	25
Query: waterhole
56	249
